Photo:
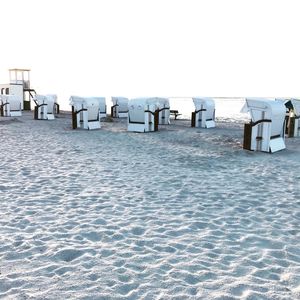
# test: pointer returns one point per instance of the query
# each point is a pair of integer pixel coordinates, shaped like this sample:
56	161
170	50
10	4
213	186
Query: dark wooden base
193	123
156	120
247	136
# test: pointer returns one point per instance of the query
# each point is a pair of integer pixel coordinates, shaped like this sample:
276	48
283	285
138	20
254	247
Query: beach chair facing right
143	115
204	114
119	108
11	105
265	132
86	112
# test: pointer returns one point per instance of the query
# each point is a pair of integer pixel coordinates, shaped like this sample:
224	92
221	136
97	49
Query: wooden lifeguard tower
19	83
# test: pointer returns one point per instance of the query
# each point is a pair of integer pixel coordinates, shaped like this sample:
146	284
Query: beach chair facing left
11	105
265	132
44	109
85	112
204	114
119	108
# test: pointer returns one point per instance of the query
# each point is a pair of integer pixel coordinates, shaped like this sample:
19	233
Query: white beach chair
265	132
119	108
292	105
11	105
163	105
54	99
44	109
102	105
294	115
86	112
142	115
204	114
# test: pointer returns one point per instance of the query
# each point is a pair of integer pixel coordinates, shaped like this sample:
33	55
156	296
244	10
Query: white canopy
119	100
87	101
204	102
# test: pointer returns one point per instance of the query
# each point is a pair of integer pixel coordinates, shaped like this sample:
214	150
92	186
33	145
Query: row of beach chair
144	114
272	119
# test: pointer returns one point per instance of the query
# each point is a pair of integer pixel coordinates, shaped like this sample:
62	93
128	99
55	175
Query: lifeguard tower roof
16	69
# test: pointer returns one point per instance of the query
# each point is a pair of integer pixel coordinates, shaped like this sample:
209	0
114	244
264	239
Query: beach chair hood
267	123
120	106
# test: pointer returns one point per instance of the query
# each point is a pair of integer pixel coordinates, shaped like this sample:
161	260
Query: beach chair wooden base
247	136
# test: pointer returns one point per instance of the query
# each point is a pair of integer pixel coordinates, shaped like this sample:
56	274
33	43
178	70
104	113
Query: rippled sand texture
183	213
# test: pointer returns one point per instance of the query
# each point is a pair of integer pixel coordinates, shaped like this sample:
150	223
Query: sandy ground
183	213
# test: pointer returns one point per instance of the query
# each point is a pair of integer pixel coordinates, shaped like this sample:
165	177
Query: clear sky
153	47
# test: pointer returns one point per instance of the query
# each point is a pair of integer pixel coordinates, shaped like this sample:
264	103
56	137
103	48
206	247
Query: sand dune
183	213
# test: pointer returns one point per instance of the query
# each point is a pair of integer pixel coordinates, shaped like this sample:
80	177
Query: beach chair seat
142	115
265	132
11	105
44	109
204	114
119	108
86	112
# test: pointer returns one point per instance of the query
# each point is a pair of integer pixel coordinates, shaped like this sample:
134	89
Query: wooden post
291	127
193	119
36	112
156	120
247	136
74	118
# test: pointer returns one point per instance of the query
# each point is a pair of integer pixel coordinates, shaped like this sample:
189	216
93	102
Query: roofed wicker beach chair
102	105
56	105
119	108
11	105
265	132
45	106
163	109
142	115
86	112
292	128
204	114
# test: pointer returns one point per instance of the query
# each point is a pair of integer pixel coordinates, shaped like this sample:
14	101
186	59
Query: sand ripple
179	214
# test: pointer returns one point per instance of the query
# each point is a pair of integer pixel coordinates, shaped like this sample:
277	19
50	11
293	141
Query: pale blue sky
153	47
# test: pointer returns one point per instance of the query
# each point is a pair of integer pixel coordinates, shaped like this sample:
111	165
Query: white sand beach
182	213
